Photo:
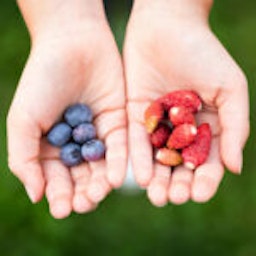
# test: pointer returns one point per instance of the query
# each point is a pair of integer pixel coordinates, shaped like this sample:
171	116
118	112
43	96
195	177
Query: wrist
181	9
57	17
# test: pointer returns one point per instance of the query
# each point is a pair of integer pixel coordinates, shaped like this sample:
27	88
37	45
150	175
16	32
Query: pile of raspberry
75	135
174	133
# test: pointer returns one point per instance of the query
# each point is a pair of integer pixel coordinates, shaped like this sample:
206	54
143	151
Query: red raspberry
169	157
182	136
197	153
181	115
185	98
153	114
160	136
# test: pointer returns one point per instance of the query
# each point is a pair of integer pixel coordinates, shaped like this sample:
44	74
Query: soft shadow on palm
161	59
56	76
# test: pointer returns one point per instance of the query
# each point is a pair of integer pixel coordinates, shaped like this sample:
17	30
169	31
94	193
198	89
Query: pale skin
73	59
169	46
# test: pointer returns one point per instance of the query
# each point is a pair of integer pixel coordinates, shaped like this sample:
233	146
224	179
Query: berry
185	98
78	114
59	134
160	136
197	153
93	150
84	132
70	154
153	114
169	157
181	115
182	136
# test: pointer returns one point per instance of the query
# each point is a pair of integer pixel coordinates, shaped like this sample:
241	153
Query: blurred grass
129	225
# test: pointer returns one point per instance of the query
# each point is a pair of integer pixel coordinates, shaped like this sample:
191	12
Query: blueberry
77	114
59	134
70	154
93	150
84	132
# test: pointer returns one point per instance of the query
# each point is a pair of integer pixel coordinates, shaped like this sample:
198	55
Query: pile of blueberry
76	136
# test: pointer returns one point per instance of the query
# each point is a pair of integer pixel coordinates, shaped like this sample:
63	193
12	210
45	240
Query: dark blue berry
70	154
93	150
84	132
78	114
59	134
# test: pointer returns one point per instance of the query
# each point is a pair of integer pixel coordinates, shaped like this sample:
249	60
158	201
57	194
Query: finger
180	186
157	189
23	152
81	176
112	128
141	154
208	176
98	186
139	144
116	157
234	121
59	188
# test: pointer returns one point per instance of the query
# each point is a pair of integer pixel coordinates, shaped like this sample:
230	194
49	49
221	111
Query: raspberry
182	136
187	99
173	115
160	136
181	115
197	153
169	157
153	114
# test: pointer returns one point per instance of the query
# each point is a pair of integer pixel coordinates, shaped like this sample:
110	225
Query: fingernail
31	194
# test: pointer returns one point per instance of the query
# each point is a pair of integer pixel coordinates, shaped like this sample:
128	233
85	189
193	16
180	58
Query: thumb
233	108
23	137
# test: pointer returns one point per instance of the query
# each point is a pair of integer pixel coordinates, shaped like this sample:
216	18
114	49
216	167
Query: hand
69	63
169	46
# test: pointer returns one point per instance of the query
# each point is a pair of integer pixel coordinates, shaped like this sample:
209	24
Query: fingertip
60	209
34	185
81	204
157	195
96	192
115	181
200	194
233	159
203	190
35	194
143	178
179	193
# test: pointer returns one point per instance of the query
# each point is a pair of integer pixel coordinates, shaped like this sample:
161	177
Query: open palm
161	55
59	72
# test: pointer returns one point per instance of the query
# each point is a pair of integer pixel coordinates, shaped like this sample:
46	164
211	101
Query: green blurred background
129	224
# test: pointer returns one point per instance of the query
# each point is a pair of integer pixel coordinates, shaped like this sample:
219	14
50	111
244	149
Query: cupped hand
168	47
85	67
